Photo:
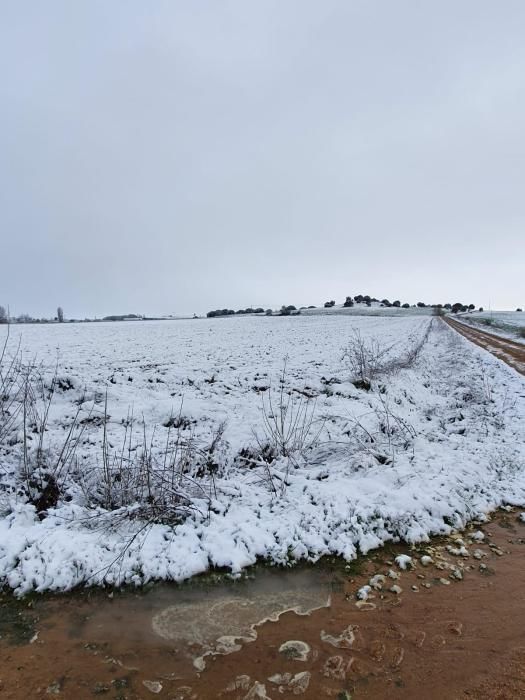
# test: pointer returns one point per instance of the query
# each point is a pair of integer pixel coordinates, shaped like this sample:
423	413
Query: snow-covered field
510	318
322	467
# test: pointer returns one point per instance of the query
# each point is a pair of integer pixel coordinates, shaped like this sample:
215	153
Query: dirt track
509	351
444	635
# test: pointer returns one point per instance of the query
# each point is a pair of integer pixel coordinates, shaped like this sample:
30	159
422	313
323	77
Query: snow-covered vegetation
508	324
160	449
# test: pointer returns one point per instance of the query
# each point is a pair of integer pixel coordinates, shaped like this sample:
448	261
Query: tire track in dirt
509	351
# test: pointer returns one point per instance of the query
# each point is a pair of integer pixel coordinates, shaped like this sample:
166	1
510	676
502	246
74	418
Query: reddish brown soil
462	640
510	351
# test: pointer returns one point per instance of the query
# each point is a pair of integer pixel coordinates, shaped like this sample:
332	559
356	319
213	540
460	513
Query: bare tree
60	314
3	315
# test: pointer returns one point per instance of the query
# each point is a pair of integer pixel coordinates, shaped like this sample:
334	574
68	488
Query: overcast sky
174	157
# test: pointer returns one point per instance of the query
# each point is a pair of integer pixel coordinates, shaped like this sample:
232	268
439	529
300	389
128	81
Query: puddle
283	633
227	618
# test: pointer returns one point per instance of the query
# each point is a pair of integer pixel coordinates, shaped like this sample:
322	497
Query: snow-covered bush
365	357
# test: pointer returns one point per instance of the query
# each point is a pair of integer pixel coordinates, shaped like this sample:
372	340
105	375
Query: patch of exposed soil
448	626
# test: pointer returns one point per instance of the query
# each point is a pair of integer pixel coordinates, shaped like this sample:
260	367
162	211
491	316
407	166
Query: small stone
444	581
377	582
478	554
458	551
300	682
457	574
482	567
477	536
280	678
426	560
415	589
396	589
404	561
241	683
343	641
363	592
258	692
426	585
393	575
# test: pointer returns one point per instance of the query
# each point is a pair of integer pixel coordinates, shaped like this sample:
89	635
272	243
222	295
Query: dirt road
509	351
450	626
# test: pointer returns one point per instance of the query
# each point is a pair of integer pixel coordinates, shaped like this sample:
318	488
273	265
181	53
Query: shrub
364	357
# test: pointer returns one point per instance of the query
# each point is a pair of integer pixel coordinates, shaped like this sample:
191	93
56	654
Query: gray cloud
176	157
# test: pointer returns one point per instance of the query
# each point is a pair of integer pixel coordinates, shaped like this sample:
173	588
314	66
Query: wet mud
442	620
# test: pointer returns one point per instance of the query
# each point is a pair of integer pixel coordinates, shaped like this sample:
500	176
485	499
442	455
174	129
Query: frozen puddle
219	623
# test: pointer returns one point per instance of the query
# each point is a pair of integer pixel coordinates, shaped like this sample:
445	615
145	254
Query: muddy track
450	627
509	351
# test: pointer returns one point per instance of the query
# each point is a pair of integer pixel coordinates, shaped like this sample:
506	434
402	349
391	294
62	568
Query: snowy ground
375	309
427	448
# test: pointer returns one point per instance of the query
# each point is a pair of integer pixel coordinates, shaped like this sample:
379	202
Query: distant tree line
26	318
366	299
231	312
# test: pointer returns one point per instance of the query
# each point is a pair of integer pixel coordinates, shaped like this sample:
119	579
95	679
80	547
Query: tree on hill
406	306
348	302
3	315
287	310
458	307
60	314
329	304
